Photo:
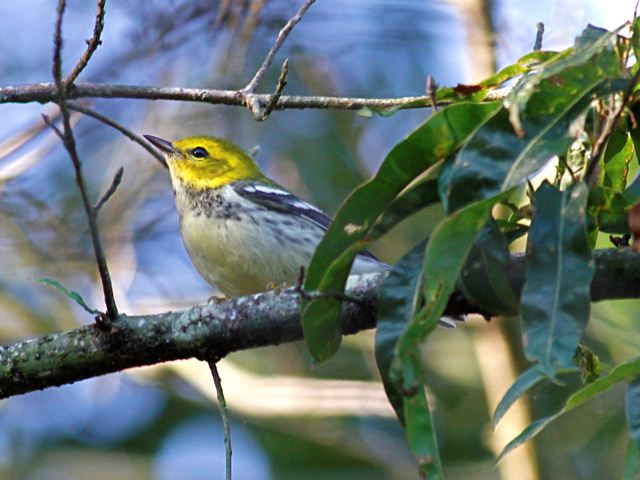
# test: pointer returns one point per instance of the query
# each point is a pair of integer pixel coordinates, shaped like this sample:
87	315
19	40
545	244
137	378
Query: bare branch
110	191
92	45
254	102
282	82
70	144
49	123
282	36
46	92
224	414
539	34
125	131
432	91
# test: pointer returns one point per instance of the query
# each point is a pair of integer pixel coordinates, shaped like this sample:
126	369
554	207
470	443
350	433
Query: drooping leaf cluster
555	154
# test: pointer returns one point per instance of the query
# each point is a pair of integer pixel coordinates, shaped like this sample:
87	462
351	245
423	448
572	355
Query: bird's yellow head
206	162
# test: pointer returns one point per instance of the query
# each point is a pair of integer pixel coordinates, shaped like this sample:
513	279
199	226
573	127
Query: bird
243	232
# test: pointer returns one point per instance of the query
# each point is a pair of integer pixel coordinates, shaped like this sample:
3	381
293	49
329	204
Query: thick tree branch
213	331
204	332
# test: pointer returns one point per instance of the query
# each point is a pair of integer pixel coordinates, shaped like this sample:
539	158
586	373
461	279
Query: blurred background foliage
290	419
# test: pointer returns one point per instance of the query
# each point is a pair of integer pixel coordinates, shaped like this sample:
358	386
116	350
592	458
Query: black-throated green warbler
243	231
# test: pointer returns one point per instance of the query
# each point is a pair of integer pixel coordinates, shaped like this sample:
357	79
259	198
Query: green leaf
573	75
479	92
614	213
633	410
73	295
624	372
555	300
635	38
526	63
436	139
618	155
415	198
547	110
612	201
396	305
421	434
445	255
522	385
322	316
489	286
631	462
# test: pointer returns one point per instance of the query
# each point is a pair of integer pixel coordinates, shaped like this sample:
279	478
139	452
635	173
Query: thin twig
610	124
248	95
117	178
49	123
224	414
125	131
47	92
314	295
282	82
431	92
70	145
92	45
539	34
282	36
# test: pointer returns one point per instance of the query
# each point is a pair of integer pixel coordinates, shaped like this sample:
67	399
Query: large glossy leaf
414	199
421	434
395	309
489	287
529	379
444	133
525	64
476	92
555	300
547	110
593	58
625	372
445	255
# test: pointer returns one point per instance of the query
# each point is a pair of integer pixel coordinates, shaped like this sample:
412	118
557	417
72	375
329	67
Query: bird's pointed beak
161	144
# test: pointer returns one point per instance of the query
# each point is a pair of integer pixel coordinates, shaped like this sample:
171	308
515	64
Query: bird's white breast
240	247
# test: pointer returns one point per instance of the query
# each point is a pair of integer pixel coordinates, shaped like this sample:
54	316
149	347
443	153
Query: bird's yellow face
206	162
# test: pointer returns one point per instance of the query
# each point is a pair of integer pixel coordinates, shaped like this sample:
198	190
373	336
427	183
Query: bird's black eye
199	152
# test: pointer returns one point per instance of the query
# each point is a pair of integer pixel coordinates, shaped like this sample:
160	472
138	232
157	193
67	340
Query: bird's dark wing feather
277	198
